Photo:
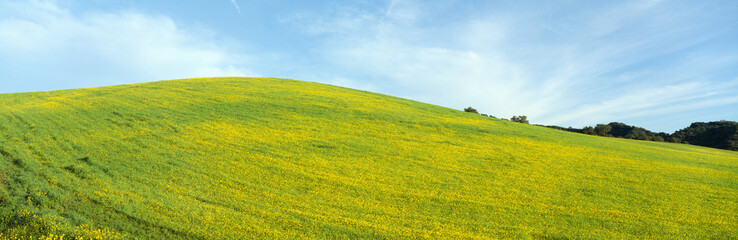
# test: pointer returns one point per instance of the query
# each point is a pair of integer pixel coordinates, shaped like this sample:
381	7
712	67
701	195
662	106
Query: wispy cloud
40	41
616	62
559	63
235	4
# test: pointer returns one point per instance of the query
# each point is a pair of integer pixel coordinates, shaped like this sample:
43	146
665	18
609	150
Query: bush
471	110
520	119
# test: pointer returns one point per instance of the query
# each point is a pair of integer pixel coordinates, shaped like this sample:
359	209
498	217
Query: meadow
242	158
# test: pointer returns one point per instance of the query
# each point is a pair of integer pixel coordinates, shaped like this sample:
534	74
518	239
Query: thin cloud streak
390	7
235	4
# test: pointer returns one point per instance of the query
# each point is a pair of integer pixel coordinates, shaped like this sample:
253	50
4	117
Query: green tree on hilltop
471	110
602	129
520	119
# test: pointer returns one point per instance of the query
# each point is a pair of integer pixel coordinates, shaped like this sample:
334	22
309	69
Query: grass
235	158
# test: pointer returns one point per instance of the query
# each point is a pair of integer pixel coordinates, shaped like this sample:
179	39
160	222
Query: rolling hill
239	158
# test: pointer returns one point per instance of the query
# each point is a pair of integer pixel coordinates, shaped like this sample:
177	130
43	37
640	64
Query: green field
235	158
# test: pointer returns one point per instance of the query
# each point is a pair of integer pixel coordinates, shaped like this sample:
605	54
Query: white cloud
558	63
609	63
101	48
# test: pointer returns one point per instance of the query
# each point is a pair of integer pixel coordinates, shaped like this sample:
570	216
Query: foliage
588	130
520	119
471	110
602	129
239	158
719	134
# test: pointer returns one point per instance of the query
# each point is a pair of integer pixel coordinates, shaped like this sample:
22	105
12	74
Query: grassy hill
233	158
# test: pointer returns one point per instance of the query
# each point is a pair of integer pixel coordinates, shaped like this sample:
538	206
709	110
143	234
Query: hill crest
274	158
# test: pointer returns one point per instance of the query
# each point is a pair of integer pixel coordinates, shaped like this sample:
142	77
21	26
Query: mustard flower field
261	158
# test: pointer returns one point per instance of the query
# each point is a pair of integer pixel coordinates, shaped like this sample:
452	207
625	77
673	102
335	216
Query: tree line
718	134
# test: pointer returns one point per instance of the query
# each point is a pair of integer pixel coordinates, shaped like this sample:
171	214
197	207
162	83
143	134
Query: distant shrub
520	119
471	110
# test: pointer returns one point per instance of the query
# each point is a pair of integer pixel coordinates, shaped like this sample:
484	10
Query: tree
471	110
720	134
602	129
588	130
520	119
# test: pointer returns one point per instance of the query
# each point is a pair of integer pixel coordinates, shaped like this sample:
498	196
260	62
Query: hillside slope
233	158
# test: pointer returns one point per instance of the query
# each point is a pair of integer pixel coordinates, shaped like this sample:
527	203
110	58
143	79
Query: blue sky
656	64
